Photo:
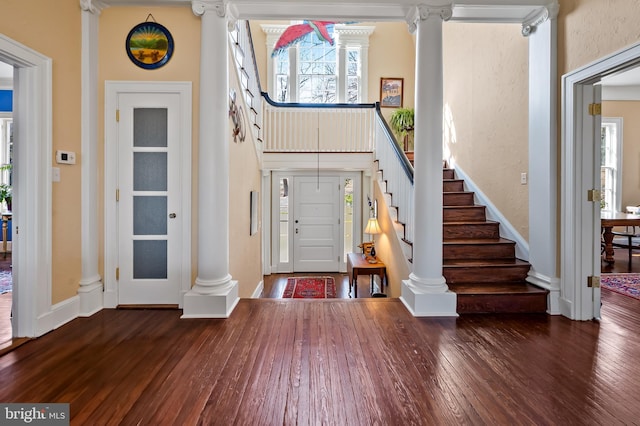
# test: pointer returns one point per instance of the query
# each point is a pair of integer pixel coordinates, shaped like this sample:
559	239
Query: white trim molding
539	17
90	290
32	188
92	6
579	227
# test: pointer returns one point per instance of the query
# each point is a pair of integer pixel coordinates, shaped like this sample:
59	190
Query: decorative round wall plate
149	45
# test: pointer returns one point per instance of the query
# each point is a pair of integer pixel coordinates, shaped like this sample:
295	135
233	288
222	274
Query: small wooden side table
357	264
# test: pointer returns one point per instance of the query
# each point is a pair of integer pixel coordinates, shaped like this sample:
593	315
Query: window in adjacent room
611	164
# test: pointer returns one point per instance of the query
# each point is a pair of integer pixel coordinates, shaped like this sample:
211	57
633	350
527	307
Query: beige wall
392	53
388	248
630	113
53	29
591	29
486	112
245	251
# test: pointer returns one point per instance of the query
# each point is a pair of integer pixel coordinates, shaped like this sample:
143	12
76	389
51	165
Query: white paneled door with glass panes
149	216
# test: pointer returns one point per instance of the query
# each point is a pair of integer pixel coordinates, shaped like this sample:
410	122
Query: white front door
316	213
149	215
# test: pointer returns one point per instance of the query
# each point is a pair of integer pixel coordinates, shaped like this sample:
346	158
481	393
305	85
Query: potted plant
5	194
401	122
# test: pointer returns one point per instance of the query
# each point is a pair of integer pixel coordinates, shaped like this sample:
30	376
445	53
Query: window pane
150	127
149	259
348	217
150	171
150	215
284	220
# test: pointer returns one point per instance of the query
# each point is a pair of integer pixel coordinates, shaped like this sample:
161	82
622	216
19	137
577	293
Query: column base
428	304
219	305
91	298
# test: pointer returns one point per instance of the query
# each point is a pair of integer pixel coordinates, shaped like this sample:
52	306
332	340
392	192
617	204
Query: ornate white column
541	30
214	294
426	292
90	291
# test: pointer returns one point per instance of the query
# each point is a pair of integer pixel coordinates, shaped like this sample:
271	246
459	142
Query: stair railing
298	127
397	172
241	45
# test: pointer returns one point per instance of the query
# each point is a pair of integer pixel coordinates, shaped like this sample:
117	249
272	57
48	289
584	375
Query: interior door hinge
117	274
117	116
595	109
117	195
594	195
593	282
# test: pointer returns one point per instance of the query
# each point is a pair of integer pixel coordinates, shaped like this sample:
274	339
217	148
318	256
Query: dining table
607	221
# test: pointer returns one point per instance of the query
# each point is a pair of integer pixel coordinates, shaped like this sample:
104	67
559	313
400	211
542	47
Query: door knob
172	215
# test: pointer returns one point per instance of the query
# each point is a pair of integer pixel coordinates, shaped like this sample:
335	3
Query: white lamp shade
372	227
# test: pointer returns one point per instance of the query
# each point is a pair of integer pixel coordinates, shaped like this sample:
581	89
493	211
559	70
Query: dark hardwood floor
339	361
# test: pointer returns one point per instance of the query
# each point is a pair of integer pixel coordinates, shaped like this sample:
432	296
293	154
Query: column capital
550	11
92	6
200	7
422	12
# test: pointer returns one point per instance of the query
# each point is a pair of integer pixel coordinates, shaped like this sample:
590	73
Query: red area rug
627	284
310	288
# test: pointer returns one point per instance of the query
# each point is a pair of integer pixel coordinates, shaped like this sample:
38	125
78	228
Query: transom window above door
314	71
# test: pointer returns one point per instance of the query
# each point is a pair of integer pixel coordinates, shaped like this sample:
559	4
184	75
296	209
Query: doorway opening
315	220
581	173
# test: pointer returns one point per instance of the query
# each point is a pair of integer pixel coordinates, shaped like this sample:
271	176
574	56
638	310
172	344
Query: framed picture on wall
391	92
149	45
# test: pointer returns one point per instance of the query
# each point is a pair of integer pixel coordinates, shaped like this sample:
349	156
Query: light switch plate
65	157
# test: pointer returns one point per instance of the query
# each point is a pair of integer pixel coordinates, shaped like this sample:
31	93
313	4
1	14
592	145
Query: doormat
310	288
627	284
6	282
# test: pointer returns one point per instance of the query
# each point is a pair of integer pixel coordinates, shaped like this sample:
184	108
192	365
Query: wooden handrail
404	161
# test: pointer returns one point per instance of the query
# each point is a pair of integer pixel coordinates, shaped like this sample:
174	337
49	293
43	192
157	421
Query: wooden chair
629	233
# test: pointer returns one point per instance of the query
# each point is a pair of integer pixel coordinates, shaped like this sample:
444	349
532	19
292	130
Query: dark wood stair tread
479	241
486	298
480	263
496	288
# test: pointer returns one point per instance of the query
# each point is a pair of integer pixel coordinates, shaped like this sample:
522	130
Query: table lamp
372	229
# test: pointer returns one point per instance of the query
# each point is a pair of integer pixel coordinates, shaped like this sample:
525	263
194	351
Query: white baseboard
60	314
258	291
506	229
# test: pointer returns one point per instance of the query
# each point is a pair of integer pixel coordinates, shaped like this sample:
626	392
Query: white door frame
577	215
271	214
112	89
33	313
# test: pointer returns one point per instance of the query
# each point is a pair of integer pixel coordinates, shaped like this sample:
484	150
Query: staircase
479	265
